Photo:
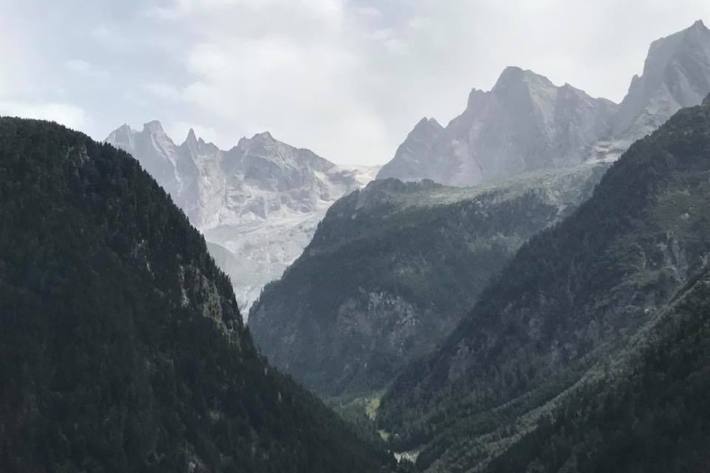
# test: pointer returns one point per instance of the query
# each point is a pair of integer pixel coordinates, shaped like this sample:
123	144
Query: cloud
346	78
164	91
86	70
66	114
330	11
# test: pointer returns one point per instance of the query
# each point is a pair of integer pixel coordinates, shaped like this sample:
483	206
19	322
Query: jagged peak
509	74
191	138
686	45
426	124
473	96
266	140
699	25
154	127
570	89
122	130
263	136
122	134
513	75
194	142
696	31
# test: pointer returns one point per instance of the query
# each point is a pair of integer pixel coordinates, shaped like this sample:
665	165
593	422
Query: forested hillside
573	297
393	268
646	410
121	345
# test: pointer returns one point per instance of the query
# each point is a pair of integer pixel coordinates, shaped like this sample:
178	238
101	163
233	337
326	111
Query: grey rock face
167	163
260	200
525	122
414	154
676	74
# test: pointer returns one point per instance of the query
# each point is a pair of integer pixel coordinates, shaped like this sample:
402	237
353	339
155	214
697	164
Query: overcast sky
346	78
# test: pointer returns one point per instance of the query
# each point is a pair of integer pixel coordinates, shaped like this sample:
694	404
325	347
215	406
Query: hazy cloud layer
347	79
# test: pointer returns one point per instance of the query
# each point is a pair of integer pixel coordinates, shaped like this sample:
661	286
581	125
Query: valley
522	289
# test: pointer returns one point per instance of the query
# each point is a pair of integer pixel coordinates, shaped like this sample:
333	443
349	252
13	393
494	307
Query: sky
345	78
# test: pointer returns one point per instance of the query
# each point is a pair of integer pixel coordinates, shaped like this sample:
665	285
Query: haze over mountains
546	312
390	266
257	204
393	268
526	123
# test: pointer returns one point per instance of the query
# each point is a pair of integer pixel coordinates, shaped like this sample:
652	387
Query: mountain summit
676	74
257	203
525	122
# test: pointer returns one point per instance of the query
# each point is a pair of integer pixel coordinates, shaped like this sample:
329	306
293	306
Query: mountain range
257	203
393	268
545	308
525	122
385	289
123	348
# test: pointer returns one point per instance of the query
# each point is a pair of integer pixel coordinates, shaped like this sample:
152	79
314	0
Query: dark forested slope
393	268
645	410
121	345
573	297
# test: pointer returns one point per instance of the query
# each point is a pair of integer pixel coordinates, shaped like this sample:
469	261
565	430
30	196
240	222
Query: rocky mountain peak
191	137
516	77
123	134
257	141
258	203
426	124
475	97
263	137
413	154
125	128
676	74
666	50
526	122
154	127
199	148
699	25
